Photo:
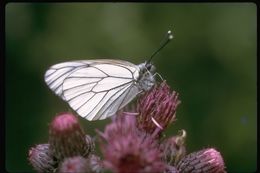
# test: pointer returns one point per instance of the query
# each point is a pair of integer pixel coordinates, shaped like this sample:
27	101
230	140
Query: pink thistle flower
128	150
67	138
157	108
42	159
204	161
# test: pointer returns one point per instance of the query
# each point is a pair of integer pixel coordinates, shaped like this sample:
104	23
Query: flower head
128	150
207	160
67	138
157	108
42	159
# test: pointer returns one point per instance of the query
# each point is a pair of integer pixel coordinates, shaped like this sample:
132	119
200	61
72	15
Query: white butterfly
97	89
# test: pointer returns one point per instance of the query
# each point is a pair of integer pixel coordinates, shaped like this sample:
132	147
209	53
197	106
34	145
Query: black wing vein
98	113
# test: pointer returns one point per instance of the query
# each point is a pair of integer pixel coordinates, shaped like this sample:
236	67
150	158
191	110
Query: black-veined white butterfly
97	89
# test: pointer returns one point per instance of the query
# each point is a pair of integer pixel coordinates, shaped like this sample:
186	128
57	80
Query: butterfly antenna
168	37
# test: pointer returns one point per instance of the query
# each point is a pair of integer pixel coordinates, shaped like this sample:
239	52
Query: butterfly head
148	68
146	76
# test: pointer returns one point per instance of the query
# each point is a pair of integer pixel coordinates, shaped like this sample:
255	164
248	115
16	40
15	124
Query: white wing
56	74
95	89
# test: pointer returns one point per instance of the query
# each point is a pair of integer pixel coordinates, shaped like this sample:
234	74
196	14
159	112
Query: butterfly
97	89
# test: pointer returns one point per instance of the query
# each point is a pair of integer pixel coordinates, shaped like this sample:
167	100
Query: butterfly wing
55	75
95	89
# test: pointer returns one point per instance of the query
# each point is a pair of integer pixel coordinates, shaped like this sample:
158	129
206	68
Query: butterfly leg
131	113
157	74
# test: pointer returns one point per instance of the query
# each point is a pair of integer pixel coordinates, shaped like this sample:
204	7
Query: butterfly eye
150	68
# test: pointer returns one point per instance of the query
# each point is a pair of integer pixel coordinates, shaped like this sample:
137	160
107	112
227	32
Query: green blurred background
211	62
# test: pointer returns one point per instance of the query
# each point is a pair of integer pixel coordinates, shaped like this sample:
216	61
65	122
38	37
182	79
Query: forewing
99	90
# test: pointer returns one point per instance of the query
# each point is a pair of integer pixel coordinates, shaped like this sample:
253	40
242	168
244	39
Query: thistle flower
157	108
174	148
76	164
128	150
129	143
204	161
42	159
66	137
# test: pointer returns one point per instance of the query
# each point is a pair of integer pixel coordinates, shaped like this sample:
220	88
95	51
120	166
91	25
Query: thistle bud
204	161
66	137
42	159
157	108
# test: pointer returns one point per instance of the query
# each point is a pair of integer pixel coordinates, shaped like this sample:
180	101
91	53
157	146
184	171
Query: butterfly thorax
146	80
